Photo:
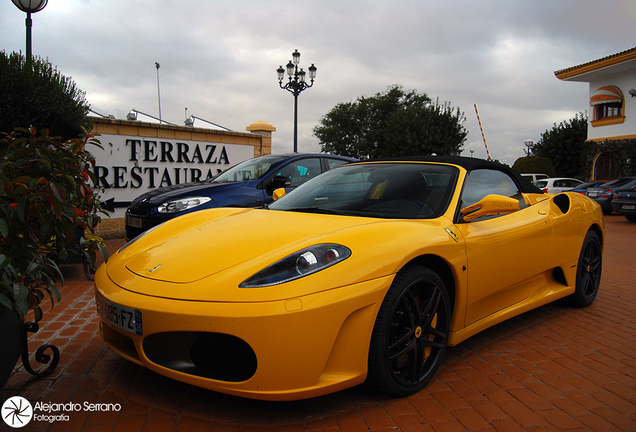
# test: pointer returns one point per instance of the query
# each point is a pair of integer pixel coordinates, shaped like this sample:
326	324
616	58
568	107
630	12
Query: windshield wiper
317	210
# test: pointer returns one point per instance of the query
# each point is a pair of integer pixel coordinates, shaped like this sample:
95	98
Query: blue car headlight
297	265
182	204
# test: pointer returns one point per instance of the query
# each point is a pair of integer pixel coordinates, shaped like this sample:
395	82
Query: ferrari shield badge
452	234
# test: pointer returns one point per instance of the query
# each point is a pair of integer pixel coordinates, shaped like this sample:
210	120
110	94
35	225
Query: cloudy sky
219	58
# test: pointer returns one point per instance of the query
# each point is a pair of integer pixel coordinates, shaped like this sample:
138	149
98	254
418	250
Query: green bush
46	199
39	96
534	164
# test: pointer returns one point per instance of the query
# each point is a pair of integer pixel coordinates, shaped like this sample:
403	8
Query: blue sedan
248	184
582	188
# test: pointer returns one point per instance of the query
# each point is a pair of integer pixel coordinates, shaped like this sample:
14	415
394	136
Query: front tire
411	333
588	271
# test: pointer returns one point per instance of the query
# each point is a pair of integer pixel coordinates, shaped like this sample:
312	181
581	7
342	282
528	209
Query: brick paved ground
552	369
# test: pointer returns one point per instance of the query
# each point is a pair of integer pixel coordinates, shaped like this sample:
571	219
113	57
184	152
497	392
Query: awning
606	94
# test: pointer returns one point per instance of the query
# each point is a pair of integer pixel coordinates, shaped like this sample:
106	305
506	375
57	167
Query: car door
504	251
298	171
558	186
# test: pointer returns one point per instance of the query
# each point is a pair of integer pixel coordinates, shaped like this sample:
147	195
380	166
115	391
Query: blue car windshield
249	170
382	190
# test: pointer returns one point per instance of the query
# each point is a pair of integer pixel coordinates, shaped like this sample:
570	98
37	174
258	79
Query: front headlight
300	264
182	204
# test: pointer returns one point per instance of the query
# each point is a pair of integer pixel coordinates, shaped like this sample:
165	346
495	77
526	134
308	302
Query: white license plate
118	316
592	194
134	222
628	207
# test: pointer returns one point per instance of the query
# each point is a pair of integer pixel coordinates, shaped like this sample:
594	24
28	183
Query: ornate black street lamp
29	6
296	84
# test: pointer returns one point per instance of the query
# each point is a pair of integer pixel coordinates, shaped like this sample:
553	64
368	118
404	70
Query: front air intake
210	355
227	357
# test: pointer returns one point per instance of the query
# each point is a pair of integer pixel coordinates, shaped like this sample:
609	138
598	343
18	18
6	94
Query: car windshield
248	170
382	190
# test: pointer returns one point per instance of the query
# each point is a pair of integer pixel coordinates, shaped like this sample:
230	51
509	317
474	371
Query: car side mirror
490	205
278	194
280	181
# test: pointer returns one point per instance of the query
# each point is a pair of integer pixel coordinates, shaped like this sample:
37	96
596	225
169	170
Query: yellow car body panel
310	336
492	249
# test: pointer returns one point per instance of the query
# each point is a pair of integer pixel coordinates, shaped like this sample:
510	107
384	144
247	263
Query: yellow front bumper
304	347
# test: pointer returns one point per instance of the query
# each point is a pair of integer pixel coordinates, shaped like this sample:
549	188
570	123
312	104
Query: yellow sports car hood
205	255
211	245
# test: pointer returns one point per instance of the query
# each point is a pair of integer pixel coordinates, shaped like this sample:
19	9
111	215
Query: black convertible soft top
469	164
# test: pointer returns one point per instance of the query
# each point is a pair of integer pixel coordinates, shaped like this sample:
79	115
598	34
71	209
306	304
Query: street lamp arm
295	87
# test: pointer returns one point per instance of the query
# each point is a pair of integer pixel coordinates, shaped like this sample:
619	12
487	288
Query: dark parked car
604	193
583	188
248	184
624	202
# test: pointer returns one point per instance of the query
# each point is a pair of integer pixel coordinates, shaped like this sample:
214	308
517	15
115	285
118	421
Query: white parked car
557	185
534	177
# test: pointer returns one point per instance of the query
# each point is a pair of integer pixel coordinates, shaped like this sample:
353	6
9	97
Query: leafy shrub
34	94
46	201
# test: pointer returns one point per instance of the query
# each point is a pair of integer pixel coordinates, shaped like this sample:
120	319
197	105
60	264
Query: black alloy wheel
588	271
411	333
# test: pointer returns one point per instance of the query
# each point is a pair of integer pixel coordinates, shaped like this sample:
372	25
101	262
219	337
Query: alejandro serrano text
49	407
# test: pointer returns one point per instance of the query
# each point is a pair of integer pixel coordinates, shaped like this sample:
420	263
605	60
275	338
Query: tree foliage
565	146
34	94
394	123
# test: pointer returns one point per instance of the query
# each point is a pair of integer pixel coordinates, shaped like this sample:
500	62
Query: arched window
608	105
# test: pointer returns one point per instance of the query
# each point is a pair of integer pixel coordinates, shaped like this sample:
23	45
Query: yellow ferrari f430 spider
364	273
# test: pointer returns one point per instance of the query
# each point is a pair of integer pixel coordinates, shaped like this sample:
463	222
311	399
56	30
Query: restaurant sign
129	166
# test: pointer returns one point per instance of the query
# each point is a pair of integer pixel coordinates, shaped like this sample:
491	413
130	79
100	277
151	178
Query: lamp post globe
529	144
296	83
29	7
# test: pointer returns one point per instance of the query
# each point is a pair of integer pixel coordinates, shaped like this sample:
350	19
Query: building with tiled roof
612	106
